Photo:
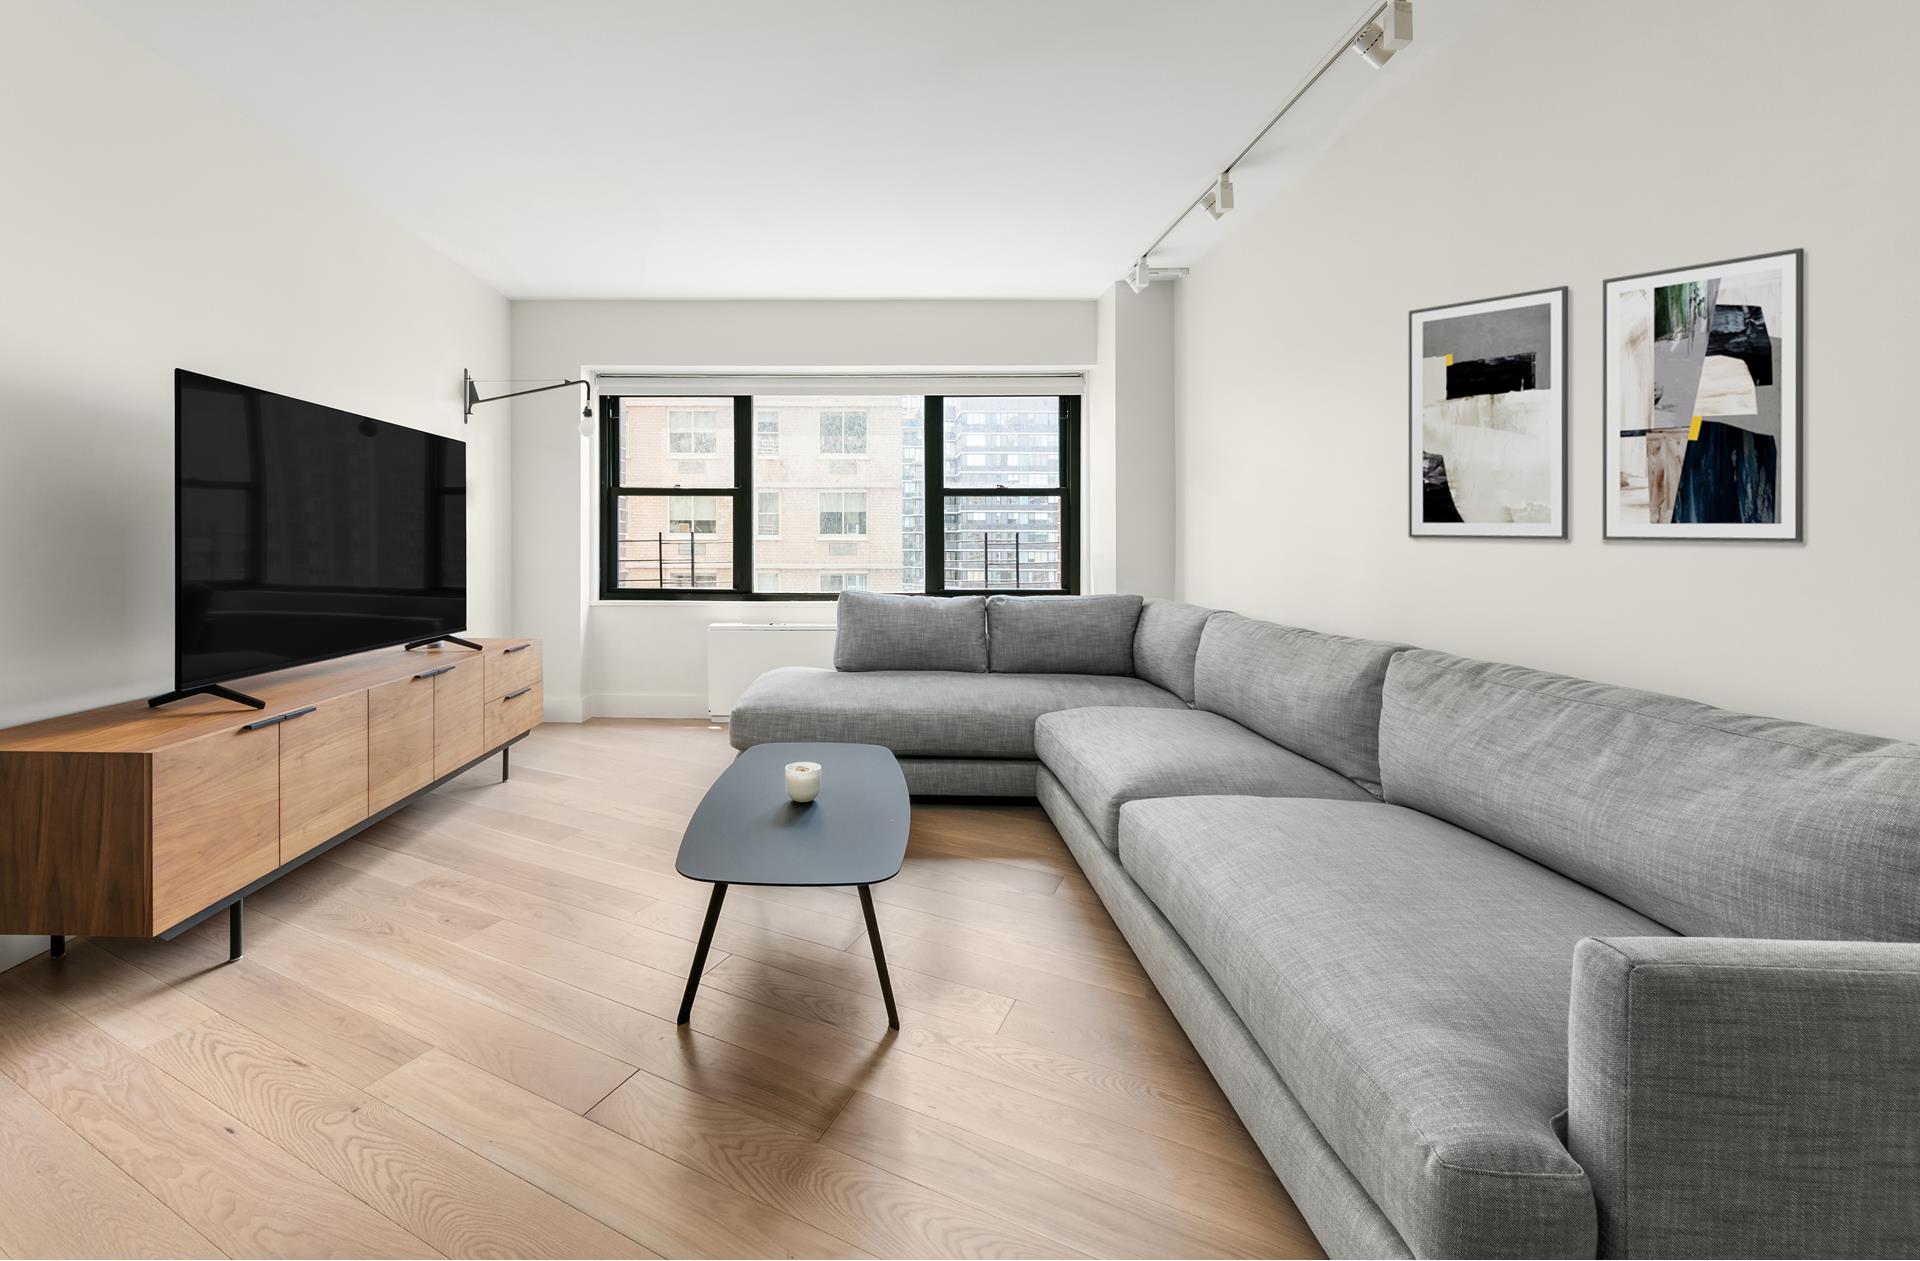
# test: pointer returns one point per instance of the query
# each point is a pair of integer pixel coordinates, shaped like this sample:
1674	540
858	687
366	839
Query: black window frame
935	494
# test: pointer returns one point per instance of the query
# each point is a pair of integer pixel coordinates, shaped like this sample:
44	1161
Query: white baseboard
564	709
645	705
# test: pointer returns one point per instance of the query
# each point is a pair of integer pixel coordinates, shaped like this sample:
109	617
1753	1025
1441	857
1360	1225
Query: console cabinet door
216	820
399	740
459	733
323	773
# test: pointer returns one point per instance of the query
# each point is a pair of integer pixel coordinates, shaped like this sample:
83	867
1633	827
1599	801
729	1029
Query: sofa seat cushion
1410	982
923	713
1105	758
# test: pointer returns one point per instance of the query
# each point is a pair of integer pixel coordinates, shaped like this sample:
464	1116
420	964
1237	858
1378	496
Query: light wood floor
454	1036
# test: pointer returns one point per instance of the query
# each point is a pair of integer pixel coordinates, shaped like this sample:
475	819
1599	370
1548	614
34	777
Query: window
693	433
843	433
843	512
801	496
692	514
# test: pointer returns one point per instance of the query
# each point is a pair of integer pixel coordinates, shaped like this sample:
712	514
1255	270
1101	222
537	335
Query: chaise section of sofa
955	685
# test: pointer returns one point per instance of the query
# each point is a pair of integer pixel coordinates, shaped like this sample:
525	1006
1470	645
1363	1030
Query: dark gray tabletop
745	831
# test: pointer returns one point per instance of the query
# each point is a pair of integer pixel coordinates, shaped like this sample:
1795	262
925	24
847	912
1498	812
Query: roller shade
726	384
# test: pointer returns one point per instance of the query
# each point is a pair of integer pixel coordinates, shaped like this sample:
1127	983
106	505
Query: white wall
1562	144
642	658
146	227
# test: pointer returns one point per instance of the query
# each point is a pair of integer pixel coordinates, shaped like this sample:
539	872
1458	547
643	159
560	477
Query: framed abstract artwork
1703	401
1487	405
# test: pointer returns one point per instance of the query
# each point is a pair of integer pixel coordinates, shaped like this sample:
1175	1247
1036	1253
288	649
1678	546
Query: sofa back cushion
1714	823
1061	634
1318	695
1166	642
911	632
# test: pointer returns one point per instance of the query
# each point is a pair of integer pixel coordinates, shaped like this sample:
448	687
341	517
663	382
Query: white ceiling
763	148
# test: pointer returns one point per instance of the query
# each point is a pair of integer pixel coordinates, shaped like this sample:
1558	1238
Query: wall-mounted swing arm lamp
473	399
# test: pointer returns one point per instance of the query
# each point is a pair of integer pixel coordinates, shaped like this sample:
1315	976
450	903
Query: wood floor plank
228	1183
559	1068
849	1198
135	1008
666	1206
1203	1120
507	865
1040	1193
457	1201
61	1198
344	1041
597	1000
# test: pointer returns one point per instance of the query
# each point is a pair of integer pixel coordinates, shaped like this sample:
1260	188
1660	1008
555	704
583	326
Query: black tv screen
304	532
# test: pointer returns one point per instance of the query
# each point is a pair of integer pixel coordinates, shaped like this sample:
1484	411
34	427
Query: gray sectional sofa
1492	962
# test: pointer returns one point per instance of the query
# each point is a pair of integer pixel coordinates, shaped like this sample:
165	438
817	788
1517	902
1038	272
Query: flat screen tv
303	532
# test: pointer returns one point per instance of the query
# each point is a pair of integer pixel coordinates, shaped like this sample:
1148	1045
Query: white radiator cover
740	652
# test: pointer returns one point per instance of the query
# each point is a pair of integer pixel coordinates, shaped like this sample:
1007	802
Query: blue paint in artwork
1728	478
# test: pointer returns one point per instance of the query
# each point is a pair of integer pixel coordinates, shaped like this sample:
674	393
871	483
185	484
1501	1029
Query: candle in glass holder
803	781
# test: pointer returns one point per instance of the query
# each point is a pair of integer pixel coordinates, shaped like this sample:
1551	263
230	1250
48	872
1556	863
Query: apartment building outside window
843	512
836	492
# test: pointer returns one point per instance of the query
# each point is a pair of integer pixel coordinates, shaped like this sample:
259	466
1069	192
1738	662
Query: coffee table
746	831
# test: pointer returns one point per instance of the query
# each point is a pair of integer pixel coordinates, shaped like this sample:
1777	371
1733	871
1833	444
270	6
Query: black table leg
235	929
879	955
57	946
700	951
506	763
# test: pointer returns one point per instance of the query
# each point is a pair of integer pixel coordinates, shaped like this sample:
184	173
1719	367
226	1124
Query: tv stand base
444	639
206	689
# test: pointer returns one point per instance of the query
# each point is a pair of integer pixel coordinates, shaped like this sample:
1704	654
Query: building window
843	512
693	433
692	514
843	433
909	493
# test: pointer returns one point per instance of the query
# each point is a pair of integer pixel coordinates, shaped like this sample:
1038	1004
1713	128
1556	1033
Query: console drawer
514	714
511	665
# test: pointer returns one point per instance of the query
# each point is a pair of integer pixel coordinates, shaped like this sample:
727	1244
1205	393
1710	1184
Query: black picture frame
1794	426
1555	299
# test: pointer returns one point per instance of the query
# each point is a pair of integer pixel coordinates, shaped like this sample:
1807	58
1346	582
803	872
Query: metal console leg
700	951
506	763
879	955
235	929
57	946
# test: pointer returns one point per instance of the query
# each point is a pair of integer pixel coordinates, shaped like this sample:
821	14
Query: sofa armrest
1747	1098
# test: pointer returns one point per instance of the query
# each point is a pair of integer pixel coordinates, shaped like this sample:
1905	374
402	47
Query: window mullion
745	520
934	491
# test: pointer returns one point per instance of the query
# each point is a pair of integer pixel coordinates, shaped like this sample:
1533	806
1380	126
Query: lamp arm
473	401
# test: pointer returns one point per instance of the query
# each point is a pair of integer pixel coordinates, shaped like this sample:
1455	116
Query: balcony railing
1003	560
679	560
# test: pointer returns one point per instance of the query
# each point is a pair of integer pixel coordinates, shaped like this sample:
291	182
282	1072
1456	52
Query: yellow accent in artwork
1449	361
1693	432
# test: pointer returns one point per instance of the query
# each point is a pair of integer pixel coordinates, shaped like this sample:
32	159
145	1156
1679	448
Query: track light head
1216	201
1379	41
1139	276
